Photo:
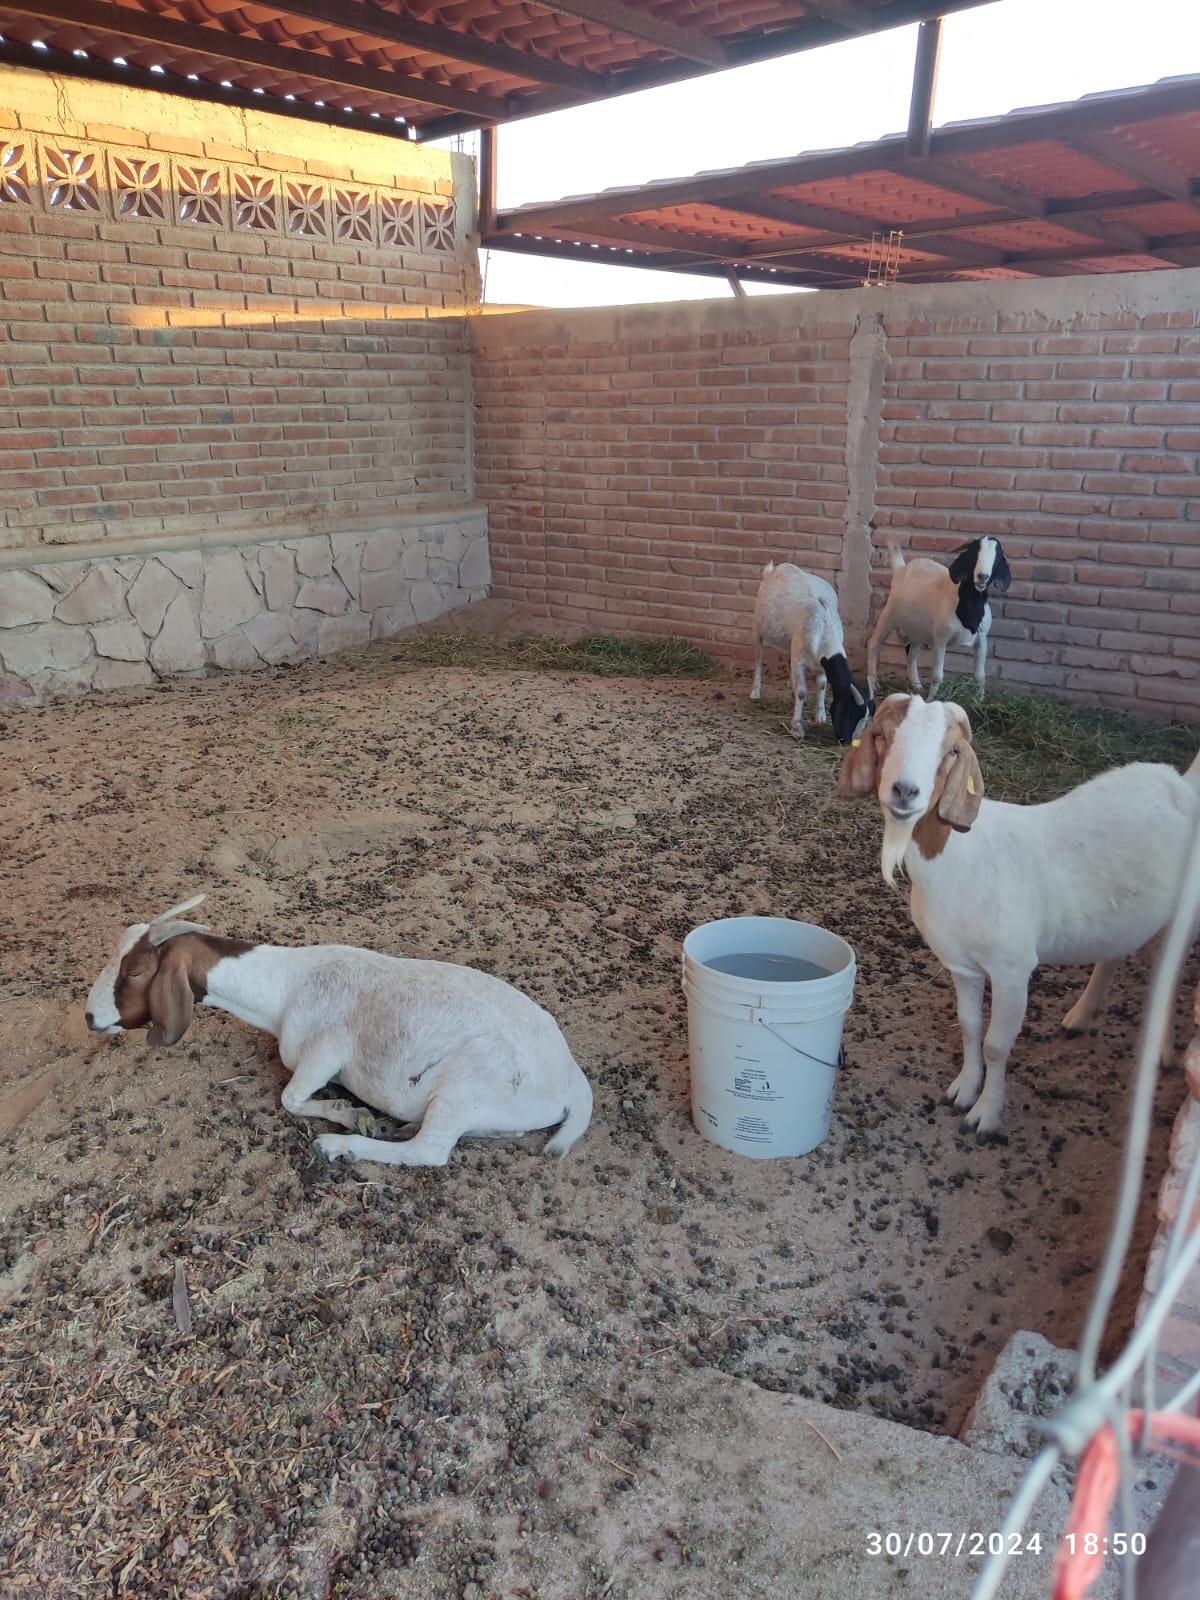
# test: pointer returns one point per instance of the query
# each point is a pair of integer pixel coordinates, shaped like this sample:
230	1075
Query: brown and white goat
998	889
931	606
452	1049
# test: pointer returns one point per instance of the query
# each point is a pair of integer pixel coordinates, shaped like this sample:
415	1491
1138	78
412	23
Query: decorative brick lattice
137	188
130	186
71	178
14	175
304	209
255	202
200	196
353	216
437	225
398	222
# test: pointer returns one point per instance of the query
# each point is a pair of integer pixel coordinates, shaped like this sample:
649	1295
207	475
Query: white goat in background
796	611
456	1050
1000	889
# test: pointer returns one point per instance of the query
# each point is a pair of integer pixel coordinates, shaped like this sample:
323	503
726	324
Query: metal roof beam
1111	151
764	45
635	22
1064	123
925	68
615	255
398	27
759	250
1085	218
1094	226
946	175
488	167
799	214
844	14
99	69
998	132
125	22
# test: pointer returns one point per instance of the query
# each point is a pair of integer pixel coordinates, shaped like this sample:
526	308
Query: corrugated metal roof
423	66
1109	183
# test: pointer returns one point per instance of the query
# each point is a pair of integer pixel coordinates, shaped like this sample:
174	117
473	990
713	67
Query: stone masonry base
114	620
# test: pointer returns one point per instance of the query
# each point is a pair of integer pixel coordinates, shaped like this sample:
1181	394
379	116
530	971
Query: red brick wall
1078	448
640	466
636	479
211	322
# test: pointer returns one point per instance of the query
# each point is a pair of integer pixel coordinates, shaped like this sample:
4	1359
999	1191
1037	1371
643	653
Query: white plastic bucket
765	1053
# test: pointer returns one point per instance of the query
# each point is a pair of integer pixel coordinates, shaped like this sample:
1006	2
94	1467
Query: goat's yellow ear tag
854	743
970	784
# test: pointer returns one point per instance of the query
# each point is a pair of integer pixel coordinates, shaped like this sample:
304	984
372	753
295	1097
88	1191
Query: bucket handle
833	1066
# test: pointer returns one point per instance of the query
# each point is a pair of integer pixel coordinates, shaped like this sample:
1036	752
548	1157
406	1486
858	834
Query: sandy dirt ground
458	1382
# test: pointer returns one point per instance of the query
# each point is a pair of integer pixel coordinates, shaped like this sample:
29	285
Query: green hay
599	653
1032	748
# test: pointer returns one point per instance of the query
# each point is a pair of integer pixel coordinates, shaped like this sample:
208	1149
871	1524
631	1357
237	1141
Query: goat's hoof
987	1126
333	1146
1071	1033
797	733
985	1136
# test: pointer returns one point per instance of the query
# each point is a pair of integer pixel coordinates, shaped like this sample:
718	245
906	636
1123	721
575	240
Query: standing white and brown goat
999	889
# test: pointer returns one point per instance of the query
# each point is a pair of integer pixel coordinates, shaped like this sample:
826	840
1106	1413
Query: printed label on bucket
753	1130
752	1083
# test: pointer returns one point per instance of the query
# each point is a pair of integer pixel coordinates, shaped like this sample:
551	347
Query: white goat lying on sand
998	889
933	606
451	1048
797	612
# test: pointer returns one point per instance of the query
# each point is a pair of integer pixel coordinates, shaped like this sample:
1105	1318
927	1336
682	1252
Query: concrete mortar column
864	399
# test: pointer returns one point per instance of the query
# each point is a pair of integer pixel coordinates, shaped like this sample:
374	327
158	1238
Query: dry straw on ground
464	1383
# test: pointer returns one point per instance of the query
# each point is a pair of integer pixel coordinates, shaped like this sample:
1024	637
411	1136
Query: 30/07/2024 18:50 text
940	1543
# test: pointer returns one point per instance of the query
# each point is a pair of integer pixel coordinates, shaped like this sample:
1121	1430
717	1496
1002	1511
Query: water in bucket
762	964
766	1001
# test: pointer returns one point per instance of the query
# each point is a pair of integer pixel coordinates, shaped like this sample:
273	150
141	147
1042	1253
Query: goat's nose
89	1019
904	792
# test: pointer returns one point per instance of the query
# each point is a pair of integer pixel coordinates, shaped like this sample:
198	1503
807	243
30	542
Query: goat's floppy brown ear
963	789
857	773
170	999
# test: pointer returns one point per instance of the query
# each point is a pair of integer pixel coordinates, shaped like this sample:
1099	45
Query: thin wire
1175	1243
1178	1402
1118	1416
1158	1014
1023	1502
1075	1424
1071	1429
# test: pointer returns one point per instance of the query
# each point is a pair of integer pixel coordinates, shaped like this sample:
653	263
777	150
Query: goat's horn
188	905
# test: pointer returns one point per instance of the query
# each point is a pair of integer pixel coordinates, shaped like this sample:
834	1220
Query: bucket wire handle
833	1066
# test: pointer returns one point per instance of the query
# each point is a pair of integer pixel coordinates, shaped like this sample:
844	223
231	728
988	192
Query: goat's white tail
770	567
896	554
579	1114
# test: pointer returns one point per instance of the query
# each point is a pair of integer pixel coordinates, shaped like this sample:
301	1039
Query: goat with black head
930	607
798	612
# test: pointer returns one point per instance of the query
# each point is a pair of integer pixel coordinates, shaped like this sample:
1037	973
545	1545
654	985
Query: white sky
994	59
